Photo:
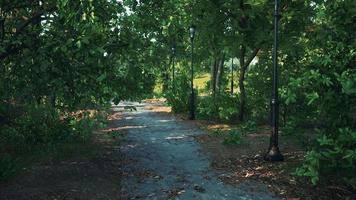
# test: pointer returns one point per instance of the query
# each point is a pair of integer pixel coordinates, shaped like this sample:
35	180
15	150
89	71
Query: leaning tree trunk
243	68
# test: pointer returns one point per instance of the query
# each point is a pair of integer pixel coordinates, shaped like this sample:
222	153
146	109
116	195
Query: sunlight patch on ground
165	109
176	137
219	126
165	120
115	116
132	146
123	128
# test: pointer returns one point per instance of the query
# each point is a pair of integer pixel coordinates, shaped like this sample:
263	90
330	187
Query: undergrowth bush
222	107
249	127
35	125
40	126
333	155
178	96
233	137
7	166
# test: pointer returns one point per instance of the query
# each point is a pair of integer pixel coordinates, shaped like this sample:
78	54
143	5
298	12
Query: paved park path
161	160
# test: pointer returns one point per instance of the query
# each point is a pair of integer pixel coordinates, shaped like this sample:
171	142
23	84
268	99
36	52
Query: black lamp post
273	153
192	106
173	56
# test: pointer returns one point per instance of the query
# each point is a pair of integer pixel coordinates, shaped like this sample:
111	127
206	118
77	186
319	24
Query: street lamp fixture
174	50
192	103
273	153
192	32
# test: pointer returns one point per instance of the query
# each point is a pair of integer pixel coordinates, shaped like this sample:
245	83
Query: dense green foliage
68	52
178	96
41	128
317	75
59	57
334	155
219	107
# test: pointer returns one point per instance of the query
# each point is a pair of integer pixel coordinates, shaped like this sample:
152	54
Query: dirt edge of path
245	162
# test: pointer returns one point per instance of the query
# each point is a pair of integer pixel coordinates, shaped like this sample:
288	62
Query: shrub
207	108
37	124
233	137
7	166
41	127
222	107
249	127
41	124
334	154
82	128
178	95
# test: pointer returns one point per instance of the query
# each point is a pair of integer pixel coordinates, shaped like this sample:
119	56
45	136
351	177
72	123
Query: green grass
201	80
157	90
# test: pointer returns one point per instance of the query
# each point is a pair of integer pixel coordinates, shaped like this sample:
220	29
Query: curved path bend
161	160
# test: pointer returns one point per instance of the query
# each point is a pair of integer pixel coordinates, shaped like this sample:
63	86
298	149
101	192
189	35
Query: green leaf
101	77
312	97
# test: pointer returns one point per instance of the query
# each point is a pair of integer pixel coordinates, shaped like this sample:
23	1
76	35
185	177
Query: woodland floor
92	175
161	156
245	162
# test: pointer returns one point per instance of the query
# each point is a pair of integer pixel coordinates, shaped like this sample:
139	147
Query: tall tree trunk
243	68
213	76
219	72
52	100
165	76
241	83
213	80
2	28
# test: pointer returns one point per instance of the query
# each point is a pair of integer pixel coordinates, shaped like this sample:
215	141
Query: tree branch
252	56
33	19
12	49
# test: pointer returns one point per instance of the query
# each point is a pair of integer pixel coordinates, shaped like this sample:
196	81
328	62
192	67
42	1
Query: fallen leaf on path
174	192
199	188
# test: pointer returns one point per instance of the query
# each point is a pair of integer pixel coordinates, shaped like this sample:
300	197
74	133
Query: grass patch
157	90
233	137
216	132
201	80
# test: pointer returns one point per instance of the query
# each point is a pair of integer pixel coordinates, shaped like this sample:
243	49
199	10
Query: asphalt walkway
161	160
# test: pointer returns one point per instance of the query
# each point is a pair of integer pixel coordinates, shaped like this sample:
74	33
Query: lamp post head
173	50
192	32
